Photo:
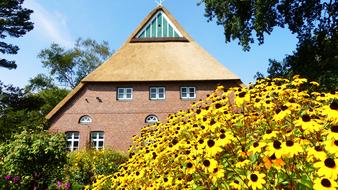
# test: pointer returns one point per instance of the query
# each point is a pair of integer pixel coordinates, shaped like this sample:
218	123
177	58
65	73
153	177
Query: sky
64	21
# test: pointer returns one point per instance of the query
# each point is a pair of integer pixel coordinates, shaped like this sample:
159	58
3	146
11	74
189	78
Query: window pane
184	89
191	89
161	95
153	90
153	96
76	135
192	95
76	144
101	135
161	90
120	96
184	95
100	144
128	90
128	96
120	90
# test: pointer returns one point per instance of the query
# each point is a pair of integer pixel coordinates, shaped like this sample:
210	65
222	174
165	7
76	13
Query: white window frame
150	119
157	93
95	139
187	89
73	134
124	93
85	120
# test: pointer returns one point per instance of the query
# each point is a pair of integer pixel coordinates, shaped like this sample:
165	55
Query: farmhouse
159	70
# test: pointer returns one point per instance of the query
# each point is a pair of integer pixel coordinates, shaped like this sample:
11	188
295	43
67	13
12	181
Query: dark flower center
334	105
277	111
174	141
222	136
211	143
206	163
329	162
318	148
200	141
222	131
334	129
189	165
268	131
212	122
242	94
236	181
336	142
325	182
255	144
218	105
165	179
253	177
289	143
273	156
306	118
198	111
284	107
137	173
257	100
276	144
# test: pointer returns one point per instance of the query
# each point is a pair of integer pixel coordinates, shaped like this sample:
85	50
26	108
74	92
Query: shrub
32	160
84	165
271	135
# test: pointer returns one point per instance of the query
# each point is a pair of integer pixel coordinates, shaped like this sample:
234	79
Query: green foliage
38	158
83	166
314	22
14	22
70	66
21	110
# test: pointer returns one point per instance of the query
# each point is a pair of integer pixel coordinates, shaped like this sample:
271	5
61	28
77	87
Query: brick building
159	70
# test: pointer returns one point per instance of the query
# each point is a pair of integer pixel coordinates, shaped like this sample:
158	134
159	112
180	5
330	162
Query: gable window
73	139
85	119
97	139
188	92
157	93
150	119
124	93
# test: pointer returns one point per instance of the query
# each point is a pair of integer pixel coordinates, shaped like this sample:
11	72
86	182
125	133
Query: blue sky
63	21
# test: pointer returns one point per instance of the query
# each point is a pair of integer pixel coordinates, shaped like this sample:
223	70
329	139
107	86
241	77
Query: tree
36	158
14	22
70	66
22	110
314	22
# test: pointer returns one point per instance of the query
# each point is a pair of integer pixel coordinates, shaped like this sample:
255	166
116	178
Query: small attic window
85	120
150	119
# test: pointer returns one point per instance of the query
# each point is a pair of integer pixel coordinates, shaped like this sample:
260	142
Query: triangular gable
159	26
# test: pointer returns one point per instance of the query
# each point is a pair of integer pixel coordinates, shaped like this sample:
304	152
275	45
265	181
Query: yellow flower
331	146
218	173
324	184
210	165
308	125
316	153
275	148
327	168
291	148
256	147
256	180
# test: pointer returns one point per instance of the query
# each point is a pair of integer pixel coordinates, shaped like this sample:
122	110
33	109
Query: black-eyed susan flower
291	148
308	124
331	145
256	147
275	148
324	184
315	153
327	168
256	180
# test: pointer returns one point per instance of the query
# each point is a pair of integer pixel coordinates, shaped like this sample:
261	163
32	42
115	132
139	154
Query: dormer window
85	120
124	93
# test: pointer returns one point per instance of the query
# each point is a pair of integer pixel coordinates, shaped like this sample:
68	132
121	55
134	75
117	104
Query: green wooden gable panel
159	26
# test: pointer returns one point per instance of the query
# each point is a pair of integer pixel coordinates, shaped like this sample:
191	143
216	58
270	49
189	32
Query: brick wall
120	120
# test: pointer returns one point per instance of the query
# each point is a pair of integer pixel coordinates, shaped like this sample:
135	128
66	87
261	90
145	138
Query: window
85	119
157	93
73	139
150	119
124	93
97	139
188	92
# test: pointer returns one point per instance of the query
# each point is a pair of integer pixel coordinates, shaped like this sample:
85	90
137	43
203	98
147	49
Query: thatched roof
177	58
160	59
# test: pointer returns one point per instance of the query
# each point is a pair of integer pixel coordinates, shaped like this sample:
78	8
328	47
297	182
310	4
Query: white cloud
51	25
